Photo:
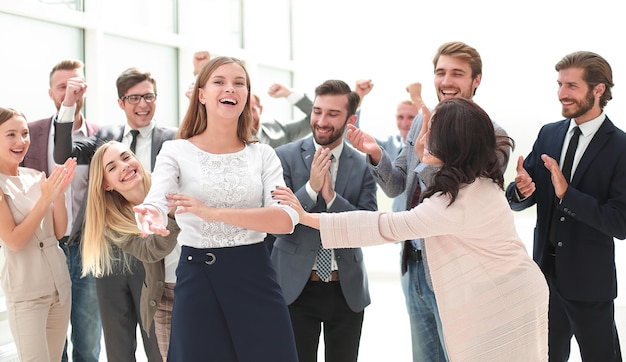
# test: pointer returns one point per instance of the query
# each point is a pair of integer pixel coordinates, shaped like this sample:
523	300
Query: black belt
415	254
64	240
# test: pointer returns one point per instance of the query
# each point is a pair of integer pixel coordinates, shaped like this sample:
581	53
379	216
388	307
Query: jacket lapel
344	169
307	153
598	141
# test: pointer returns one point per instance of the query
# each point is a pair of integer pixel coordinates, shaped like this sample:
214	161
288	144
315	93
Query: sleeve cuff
294	97
66	114
312	194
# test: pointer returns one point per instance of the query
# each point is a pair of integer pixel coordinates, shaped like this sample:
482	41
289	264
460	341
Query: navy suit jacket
37	158
294	254
594	211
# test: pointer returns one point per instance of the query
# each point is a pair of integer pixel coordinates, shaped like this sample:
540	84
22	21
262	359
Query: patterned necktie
324	256
133	142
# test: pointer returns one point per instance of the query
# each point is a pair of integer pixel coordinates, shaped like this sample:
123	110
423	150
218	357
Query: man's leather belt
334	276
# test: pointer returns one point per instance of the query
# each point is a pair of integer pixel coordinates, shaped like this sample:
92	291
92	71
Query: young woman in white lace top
228	305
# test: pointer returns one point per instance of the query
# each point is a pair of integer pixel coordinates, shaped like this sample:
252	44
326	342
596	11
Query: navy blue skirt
228	306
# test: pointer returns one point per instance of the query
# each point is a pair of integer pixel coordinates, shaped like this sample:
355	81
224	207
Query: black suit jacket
593	207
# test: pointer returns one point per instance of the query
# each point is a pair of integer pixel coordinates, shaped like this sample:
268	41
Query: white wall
392	42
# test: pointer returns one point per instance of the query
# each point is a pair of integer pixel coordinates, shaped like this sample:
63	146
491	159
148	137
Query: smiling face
226	92
14	142
578	101
329	119
122	171
139	115
453	78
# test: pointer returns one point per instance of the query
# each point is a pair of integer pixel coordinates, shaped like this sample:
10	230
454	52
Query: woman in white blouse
227	305
492	297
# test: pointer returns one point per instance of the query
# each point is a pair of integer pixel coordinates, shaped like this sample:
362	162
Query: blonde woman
35	278
117	182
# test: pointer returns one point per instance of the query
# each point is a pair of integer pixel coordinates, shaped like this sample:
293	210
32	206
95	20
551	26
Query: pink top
492	297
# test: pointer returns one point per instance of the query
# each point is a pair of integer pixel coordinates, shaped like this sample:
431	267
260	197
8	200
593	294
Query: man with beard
325	287
458	73
576	175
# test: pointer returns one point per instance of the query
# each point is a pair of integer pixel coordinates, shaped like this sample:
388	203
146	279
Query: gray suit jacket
276	133
84	150
294	254
37	158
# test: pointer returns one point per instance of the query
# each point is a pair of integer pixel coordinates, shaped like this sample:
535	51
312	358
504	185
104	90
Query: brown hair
462	136
461	51
8	113
68	64
339	87
130	78
596	70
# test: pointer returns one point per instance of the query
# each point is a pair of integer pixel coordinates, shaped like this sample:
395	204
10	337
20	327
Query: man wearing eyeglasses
119	293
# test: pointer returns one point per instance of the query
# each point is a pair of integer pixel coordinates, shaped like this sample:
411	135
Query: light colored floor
386	334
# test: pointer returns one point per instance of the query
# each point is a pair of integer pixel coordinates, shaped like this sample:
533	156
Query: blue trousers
85	316
228	306
426	332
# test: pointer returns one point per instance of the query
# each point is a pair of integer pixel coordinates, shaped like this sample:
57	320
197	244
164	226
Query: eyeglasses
136	98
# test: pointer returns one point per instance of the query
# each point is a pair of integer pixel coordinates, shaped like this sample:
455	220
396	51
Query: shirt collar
589	127
143	131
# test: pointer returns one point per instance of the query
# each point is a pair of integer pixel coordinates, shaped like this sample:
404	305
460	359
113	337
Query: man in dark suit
85	318
328	288
119	293
581	208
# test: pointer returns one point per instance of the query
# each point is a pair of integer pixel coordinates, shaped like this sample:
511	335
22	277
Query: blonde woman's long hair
109	218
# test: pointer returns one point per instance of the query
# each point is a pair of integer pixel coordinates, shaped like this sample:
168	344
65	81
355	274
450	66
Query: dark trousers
228	307
118	296
323	304
593	324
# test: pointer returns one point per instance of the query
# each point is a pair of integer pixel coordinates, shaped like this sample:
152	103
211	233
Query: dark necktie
133	142
568	163
325	256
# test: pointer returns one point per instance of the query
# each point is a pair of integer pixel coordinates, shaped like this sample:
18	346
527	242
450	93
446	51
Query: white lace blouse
243	179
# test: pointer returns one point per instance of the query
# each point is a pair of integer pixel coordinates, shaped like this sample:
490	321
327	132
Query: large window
28	58
158	36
